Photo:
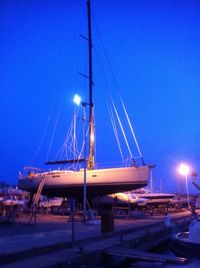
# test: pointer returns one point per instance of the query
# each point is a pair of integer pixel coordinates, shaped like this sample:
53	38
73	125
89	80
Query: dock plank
137	254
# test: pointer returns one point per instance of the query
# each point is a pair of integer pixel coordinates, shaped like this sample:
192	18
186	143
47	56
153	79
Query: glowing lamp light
77	99
184	169
92	137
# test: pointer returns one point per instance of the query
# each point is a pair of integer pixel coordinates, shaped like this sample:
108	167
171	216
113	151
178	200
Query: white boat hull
99	181
182	246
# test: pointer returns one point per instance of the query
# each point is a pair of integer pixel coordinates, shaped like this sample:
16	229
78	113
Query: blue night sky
153	50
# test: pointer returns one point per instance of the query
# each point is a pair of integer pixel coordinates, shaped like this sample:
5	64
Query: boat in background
69	183
14	201
140	197
12	196
51	203
153	199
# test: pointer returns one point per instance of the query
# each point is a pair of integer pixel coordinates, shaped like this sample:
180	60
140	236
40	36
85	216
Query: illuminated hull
66	183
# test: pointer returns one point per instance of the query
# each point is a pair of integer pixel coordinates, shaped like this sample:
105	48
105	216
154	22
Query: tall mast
91	113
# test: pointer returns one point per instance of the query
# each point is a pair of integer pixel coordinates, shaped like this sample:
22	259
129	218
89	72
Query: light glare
184	169
77	99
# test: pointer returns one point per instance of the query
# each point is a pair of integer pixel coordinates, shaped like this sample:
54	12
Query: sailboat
69	183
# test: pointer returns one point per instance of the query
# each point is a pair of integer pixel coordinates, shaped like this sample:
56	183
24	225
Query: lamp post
184	170
151	177
77	100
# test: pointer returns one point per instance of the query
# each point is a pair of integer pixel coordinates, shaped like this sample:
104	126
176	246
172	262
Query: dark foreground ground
20	236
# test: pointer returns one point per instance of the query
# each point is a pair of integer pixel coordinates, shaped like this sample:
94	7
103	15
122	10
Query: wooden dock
145	256
131	239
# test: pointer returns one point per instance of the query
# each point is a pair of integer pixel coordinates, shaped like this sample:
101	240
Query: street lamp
77	100
184	170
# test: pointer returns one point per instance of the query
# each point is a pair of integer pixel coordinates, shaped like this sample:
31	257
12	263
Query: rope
115	130
83	145
124	135
137	145
41	141
54	130
106	55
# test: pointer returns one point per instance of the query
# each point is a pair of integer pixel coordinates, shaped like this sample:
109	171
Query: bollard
90	214
107	221
167	221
